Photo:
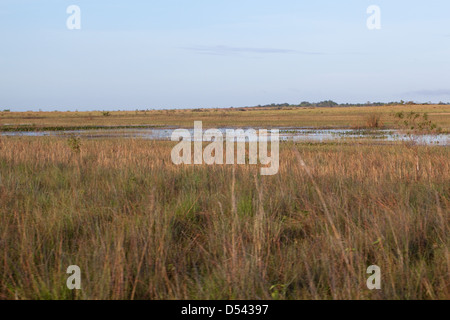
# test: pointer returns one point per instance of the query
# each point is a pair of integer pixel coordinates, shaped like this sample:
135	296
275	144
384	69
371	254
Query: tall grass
140	227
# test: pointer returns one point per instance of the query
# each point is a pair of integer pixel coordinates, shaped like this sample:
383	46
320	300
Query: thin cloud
226	50
442	92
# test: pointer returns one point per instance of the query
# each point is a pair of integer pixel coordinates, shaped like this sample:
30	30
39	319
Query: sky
159	54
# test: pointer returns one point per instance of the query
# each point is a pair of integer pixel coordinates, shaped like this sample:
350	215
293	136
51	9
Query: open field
242	117
142	228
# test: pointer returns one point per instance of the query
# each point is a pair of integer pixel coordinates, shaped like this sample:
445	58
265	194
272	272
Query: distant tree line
330	103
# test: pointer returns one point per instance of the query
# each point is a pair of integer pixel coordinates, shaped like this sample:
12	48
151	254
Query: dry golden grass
142	228
254	117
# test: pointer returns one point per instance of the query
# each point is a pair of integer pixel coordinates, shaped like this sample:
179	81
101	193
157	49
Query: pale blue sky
218	53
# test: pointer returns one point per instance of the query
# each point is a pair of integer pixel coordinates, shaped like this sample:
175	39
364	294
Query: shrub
74	144
374	121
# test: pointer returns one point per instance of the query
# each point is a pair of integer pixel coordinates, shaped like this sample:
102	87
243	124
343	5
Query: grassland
142	228
242	117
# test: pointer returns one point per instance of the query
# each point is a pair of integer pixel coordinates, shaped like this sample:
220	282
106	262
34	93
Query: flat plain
237	117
